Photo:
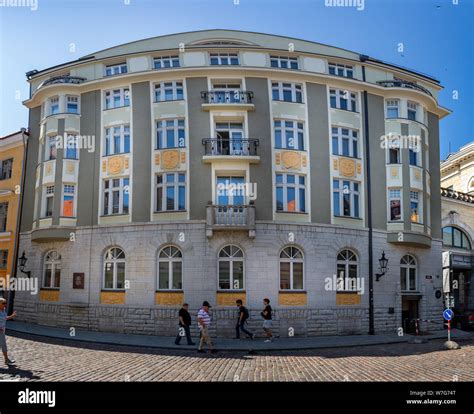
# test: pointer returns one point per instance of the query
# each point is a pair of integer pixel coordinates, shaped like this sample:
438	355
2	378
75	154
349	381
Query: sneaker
201	351
267	340
9	361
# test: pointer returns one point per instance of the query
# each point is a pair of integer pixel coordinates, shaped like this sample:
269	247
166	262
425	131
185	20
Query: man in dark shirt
267	319
184	324
242	319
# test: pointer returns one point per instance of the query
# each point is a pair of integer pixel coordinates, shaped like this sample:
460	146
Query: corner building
122	232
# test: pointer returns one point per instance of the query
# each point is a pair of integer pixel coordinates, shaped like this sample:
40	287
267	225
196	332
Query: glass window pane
224	275
238	275
403	278
297	275
109	276
285	275
177	275
163	278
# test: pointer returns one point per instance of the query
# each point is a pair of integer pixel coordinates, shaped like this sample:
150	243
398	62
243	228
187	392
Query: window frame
114	66
176	256
171	59
352	198
114	261
7	161
280	59
234	250
48	194
219	56
123	190
392	104
160	88
345	69
340	141
419	201
3	216
408	262
3	259
463	237
162	127
295	129
348	254
55	263
110	95
69	194
391	196
176	185
292	260
337	96
295	88
110	140
297	186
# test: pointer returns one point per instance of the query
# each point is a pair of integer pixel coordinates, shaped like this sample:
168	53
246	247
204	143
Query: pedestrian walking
3	322
204	321
184	325
267	320
242	320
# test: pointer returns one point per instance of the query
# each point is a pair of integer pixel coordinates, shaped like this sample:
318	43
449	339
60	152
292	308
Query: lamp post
23	259
383	262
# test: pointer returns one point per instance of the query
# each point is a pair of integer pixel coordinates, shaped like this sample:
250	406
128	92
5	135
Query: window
116	69
114	269
347	270
415	206
224	59
52	270
169	91
395	204
393	109
231	268
289	134
341	99
284	62
116	196
54	105
164	62
291	269
117	98
51	148
170	133
394	154
229	192
171	192
72	103
117	140
338	69
49	199
3	259
454	237
68	200
408	273
345	142
3	217
170	269
412	109
71	150
414	158
346	198
291	193
228	92
288	92
6	167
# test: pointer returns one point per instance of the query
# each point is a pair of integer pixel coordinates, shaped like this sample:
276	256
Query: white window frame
394	194
3	163
220	58
419	200
292	259
296	89
166	62
231	259
338	67
164	185
296	128
284	59
54	102
48	192
52	258
109	136
392	104
116	69
123	189
338	134
69	194
161	87
72	99
172	255
297	186
352	194
51	148
162	127
72	142
114	260
341	94
123	95
408	262
346	262
412	107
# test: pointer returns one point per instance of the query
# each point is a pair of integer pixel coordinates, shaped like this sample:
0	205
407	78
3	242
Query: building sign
78	280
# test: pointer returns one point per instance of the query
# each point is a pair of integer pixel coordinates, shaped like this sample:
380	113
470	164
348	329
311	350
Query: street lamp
23	261
383	262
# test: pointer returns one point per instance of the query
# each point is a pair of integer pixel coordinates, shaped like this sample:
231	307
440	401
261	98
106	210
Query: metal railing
403	84
227	97
457	195
64	79
230	146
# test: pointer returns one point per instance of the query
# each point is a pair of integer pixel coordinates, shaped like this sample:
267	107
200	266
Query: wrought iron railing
227	97
64	79
230	146
403	84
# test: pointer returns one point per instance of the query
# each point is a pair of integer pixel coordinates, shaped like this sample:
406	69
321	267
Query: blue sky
437	35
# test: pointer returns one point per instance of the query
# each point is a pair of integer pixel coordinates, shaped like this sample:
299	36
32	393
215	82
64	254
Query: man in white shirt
204	321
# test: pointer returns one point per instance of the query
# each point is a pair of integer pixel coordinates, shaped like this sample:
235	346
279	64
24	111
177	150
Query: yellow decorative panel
417	175
169	298
126	162
334	164
229	298
157	159
49	295
70	167
112	298
277	159
291	160
359	168
304	160
170	159
347	299
394	172
347	167
183	157
49	169
292	299
104	166
116	165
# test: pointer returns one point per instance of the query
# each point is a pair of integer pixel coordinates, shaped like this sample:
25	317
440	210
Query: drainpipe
363	58
11	293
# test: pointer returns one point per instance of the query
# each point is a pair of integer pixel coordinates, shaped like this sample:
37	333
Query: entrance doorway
410	312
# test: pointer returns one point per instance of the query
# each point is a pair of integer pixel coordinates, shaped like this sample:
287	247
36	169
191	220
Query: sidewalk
165	342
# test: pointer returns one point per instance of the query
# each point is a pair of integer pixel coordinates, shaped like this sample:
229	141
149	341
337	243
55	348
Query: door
230	138
409	314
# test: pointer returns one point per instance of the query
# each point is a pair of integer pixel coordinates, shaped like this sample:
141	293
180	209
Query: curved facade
219	165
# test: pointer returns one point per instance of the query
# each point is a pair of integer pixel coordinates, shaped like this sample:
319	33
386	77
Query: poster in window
395	210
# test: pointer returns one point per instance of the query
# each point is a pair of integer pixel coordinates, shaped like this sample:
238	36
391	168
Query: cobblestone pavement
44	359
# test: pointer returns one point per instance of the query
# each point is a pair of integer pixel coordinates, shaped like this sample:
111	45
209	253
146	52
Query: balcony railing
457	195
230	217
403	84
230	146
64	79
227	97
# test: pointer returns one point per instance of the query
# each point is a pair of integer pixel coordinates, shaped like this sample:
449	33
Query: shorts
3	342
267	324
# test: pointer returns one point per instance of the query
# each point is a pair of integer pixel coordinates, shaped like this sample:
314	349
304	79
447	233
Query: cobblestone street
44	359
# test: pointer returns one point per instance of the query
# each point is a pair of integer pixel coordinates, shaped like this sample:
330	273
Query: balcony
230	218
457	195
221	149
65	79
404	84
227	99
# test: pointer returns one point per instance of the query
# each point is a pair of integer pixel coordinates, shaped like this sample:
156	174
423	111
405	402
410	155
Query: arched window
291	269
52	270
454	237
114	268
408	277
231	268
347	270
170	269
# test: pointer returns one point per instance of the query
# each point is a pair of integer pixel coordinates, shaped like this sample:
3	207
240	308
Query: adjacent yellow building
11	162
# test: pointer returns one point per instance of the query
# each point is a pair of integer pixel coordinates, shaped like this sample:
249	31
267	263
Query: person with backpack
242	320
267	319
